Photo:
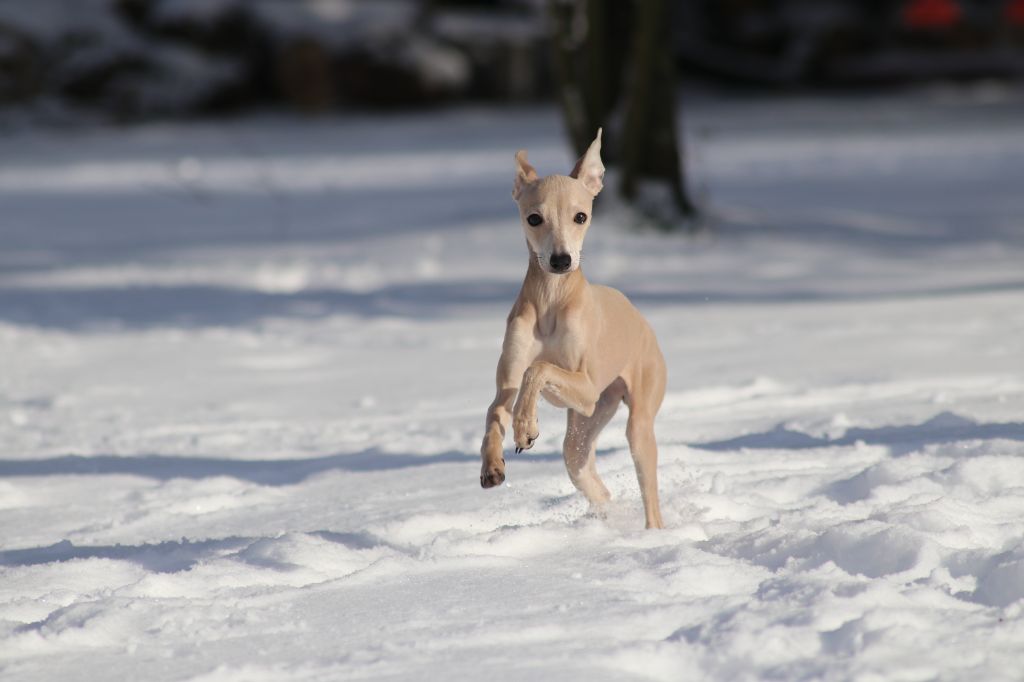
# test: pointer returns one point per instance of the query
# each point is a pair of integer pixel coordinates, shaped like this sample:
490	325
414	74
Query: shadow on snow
171	556
944	427
273	472
212	306
263	472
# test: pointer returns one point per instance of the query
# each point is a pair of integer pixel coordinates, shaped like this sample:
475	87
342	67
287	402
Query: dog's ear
589	168
525	174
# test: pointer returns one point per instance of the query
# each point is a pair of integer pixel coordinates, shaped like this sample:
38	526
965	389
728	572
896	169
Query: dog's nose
560	262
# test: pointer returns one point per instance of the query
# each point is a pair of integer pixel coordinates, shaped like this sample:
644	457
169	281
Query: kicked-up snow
244	368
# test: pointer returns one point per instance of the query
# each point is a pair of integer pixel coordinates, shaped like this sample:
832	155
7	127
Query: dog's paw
492	476
525	432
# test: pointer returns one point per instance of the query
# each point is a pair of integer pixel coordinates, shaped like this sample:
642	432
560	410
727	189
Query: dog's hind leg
644	401
580	446
643	447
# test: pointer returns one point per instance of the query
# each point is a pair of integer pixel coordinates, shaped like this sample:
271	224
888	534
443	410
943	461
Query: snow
245	366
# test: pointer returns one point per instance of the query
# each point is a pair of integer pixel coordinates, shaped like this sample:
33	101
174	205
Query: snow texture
244	367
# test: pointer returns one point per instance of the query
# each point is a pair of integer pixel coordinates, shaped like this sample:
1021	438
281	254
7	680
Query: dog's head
555	210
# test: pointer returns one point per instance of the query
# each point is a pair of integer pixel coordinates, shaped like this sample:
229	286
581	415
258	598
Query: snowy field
244	367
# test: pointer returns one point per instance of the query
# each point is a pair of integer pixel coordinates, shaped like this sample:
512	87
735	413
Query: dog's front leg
517	353
574	389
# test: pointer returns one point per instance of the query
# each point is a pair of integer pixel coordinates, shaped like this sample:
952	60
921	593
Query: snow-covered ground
244	367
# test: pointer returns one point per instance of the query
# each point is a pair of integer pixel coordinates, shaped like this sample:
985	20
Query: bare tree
613	62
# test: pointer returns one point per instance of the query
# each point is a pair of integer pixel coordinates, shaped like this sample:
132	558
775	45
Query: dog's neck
546	290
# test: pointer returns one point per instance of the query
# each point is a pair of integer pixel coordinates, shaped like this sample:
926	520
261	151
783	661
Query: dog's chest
559	342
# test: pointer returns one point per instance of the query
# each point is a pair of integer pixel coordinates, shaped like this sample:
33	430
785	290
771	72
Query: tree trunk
599	73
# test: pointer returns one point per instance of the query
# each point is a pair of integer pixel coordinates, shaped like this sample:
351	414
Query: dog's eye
534	219
580	217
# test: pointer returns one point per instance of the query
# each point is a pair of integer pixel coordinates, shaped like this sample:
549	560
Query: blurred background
619	65
133	59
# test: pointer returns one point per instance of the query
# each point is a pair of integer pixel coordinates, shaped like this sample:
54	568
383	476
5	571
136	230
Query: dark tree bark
612	60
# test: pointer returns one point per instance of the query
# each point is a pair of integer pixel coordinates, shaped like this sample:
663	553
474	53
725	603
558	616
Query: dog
582	346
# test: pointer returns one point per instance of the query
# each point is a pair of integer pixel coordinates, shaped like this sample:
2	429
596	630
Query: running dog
580	345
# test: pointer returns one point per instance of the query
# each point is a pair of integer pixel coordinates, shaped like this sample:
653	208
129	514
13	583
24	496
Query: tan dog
580	345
